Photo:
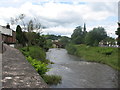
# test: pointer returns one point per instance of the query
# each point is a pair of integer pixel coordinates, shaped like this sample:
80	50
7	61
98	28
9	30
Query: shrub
52	79
40	67
37	53
71	49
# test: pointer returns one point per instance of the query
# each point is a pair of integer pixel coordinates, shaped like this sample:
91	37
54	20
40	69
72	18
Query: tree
118	33
95	36
32	38
33	24
64	40
77	36
17	19
20	36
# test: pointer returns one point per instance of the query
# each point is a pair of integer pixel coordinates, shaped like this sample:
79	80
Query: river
77	73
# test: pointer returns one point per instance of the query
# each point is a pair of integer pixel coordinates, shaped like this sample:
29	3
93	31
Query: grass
105	55
52	79
35	52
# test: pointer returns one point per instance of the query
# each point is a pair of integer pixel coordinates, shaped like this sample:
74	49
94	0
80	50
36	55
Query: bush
52	79
35	52
71	49
40	67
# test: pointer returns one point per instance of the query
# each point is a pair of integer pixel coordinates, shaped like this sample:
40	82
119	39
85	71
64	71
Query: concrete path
17	72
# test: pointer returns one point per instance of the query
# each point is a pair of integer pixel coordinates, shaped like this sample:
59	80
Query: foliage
35	52
49	43
105	55
32	38
118	33
40	67
71	49
95	36
64	40
20	36
52	79
78	35
37	40
52	37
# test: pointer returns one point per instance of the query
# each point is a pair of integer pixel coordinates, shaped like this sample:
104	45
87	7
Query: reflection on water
80	74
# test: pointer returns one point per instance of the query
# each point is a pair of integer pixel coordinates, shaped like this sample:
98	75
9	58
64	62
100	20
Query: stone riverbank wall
17	72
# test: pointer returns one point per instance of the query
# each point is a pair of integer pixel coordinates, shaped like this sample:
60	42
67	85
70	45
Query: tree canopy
95	36
78	35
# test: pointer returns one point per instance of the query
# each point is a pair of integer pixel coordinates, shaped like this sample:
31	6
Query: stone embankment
17	72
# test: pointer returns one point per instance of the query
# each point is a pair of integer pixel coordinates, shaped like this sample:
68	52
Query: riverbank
104	55
36	56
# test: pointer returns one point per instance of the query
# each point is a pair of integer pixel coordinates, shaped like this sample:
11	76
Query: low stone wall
17	72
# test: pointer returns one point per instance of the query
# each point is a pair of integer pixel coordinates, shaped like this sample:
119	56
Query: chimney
8	26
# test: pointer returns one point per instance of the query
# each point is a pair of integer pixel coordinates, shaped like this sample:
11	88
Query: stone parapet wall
17	72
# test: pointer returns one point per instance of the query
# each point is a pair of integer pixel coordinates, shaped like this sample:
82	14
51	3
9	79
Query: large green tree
78	36
95	36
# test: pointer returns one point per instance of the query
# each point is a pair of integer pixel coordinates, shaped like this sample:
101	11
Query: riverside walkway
17	72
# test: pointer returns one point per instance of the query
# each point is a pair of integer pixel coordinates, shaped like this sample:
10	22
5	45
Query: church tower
84	28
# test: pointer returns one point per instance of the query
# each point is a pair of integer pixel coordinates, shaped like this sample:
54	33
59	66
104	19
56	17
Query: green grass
105	55
52	79
35	52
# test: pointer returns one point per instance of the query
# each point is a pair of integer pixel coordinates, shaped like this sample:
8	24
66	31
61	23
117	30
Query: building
8	35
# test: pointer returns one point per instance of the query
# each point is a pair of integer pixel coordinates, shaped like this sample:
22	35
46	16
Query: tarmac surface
17	72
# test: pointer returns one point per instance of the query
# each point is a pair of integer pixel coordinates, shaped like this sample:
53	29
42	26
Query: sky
61	17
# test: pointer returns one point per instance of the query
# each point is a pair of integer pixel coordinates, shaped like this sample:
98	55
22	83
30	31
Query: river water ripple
77	73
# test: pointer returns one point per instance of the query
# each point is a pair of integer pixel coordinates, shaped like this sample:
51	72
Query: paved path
17	72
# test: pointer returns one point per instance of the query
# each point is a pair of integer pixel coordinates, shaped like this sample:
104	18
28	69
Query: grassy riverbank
105	55
36	56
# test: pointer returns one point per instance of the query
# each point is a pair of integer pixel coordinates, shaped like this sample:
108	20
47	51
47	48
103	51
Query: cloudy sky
62	16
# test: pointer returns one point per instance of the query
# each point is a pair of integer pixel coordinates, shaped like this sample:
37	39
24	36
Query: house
8	35
57	44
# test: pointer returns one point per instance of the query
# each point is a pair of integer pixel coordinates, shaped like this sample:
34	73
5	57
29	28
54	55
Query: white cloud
61	18
59	30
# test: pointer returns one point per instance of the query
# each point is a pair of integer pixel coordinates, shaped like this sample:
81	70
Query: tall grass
105	55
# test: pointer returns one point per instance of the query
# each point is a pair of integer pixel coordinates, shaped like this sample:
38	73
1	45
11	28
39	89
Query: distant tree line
92	38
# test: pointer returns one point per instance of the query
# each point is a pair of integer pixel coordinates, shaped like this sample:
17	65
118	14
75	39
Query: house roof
5	30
